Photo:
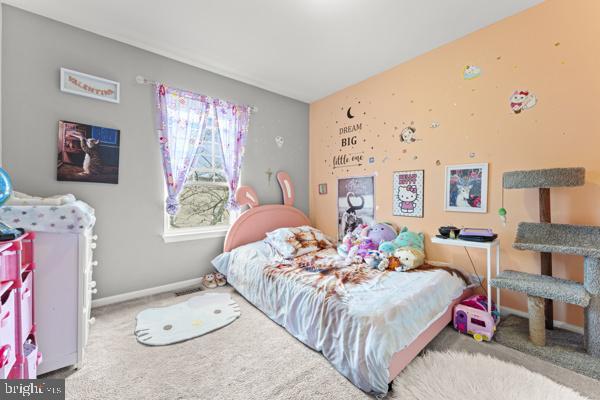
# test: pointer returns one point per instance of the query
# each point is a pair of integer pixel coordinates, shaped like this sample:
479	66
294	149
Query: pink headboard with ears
254	223
287	189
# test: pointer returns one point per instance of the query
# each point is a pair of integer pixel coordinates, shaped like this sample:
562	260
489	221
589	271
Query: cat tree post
537	333
591	282
546	258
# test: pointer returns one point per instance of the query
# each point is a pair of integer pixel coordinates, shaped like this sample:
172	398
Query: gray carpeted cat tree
547	238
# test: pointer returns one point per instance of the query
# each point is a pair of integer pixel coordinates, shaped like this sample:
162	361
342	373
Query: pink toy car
471	317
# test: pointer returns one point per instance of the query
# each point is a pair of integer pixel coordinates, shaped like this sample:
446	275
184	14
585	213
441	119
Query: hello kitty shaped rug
183	321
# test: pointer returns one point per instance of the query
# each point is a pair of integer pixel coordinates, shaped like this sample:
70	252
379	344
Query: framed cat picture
87	153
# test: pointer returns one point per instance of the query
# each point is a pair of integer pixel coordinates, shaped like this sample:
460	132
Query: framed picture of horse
466	188
355	202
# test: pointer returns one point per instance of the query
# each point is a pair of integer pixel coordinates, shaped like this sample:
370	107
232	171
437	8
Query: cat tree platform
546	287
577	240
539	288
544	178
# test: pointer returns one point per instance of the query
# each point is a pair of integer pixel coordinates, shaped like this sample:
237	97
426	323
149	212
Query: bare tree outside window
204	196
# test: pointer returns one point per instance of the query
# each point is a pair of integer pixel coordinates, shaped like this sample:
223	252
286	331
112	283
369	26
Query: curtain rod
145	81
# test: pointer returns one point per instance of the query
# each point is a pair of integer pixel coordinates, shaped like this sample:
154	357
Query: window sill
194	234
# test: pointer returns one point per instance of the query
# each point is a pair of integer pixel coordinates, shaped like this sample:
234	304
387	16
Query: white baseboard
119	298
558	324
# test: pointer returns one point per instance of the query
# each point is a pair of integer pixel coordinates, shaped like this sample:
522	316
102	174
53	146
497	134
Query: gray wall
130	252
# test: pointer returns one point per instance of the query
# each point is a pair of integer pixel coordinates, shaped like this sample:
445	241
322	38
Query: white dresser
64	288
63	285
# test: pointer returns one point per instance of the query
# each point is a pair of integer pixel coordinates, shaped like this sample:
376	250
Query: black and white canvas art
356	203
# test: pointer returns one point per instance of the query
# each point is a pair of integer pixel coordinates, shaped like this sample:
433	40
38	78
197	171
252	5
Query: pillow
283	240
294	242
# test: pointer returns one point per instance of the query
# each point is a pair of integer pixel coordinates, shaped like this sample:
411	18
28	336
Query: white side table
488	246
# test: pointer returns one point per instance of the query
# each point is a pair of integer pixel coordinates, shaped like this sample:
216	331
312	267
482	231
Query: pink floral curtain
181	118
232	122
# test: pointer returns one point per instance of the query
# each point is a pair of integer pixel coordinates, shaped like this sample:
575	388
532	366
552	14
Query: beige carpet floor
253	358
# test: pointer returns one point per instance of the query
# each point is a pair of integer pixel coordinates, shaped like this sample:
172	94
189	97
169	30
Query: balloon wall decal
5	186
471	72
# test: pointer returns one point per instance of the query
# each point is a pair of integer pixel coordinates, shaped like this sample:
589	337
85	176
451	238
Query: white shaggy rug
457	375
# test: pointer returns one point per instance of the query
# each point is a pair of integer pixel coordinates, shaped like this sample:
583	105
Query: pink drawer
26	293
10	267
7	333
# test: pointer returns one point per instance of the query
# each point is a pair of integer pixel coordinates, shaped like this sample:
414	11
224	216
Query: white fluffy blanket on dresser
58	214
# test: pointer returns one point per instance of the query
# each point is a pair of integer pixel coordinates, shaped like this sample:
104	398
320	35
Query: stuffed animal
410	257
381	232
393	263
384	264
408	248
374	259
365	238
365	244
405	238
351	240
387	248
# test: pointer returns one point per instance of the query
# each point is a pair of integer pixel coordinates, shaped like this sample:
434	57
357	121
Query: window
202	212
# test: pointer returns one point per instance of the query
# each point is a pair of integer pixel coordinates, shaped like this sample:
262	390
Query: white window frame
173	235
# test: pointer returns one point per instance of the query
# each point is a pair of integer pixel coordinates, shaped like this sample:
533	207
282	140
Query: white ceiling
304	49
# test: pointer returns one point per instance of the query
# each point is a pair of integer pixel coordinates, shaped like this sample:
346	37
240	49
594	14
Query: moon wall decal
349	114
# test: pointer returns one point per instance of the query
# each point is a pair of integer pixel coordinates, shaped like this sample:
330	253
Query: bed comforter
358	317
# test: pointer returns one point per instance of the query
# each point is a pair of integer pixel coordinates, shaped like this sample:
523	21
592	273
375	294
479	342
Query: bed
368	324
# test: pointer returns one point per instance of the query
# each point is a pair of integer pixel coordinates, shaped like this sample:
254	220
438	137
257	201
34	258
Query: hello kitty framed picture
466	188
87	153
408	193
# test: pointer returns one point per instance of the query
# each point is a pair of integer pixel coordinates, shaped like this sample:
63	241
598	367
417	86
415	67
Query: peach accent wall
551	50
